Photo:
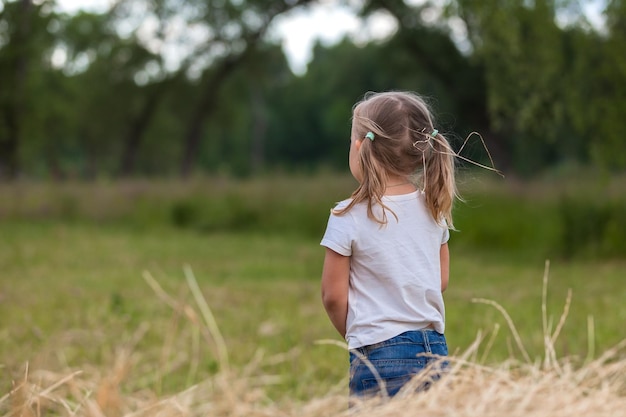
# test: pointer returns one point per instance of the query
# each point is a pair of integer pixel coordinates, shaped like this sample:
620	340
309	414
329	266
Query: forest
164	88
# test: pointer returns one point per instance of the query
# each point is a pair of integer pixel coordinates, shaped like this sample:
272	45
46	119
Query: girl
386	263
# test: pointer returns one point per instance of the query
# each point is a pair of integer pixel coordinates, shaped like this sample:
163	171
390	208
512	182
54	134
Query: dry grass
512	389
545	387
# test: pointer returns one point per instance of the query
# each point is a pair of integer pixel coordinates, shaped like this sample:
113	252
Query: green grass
72	258
72	294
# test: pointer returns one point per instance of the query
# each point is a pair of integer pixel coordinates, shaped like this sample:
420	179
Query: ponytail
372	187
438	179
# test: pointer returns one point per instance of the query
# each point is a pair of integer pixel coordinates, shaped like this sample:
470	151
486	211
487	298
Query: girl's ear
357	144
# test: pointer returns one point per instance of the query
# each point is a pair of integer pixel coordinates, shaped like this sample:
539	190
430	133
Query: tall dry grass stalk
544	387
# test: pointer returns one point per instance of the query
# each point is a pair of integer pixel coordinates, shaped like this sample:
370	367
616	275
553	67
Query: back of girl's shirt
395	272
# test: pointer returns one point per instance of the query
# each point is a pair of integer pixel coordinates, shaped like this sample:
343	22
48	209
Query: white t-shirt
395	270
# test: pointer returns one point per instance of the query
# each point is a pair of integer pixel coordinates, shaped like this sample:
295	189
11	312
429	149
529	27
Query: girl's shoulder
352	212
342	204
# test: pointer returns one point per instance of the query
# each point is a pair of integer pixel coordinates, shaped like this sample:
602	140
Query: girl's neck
398	186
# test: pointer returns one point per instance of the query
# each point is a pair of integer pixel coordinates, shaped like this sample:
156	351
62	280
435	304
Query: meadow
100	278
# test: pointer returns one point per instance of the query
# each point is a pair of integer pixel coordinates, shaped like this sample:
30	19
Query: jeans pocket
394	373
440	349
392	385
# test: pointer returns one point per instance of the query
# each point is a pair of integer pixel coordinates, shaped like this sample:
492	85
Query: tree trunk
205	107
13	107
137	129
259	128
8	142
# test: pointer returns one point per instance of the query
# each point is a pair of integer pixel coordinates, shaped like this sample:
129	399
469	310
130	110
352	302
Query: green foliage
507	223
91	95
235	211
521	49
534	220
228	213
24	43
607	106
593	228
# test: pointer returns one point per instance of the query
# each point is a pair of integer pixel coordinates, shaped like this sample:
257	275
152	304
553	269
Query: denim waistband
424	336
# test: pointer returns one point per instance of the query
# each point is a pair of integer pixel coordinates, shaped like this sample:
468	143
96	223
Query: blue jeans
397	360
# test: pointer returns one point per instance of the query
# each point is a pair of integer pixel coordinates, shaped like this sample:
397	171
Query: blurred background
166	88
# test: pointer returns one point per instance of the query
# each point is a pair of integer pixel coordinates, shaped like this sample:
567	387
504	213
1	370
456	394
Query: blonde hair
405	143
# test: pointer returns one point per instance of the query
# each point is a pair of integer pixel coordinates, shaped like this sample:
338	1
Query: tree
603	109
238	28
21	44
520	48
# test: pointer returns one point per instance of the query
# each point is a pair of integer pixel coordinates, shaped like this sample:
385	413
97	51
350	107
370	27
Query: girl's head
394	136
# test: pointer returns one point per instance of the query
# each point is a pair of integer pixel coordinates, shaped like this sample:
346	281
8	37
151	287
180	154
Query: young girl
386	263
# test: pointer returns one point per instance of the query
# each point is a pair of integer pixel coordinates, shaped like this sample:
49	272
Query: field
100	278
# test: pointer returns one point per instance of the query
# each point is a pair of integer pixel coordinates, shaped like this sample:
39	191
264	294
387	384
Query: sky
328	23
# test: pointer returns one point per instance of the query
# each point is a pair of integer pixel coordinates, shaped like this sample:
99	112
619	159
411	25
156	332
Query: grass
73	292
76	292
73	286
548	386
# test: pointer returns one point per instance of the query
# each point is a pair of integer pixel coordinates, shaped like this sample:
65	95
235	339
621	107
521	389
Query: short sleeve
445	236
340	234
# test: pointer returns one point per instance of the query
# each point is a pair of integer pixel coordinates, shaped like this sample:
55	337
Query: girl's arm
444	258
335	280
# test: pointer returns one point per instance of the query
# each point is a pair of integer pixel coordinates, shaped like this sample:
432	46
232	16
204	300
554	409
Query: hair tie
370	136
434	133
